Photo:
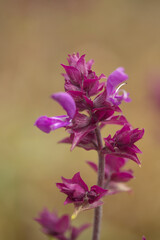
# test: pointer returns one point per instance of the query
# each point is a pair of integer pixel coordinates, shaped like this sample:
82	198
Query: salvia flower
114	93
47	124
122	143
59	228
52	225
90	105
115	176
78	193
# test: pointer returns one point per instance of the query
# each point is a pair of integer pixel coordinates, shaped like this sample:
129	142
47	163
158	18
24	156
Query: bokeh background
35	37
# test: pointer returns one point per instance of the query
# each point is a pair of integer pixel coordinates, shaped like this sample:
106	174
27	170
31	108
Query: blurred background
35	37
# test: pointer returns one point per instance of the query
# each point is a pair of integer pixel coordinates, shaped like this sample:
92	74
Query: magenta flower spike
90	105
47	124
122	143
52	225
115	78
78	193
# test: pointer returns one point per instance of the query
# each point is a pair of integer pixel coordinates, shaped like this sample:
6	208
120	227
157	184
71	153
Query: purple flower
47	124
78	193
52	225
115	78
81	82
143	238
122	143
114	175
59	228
82	130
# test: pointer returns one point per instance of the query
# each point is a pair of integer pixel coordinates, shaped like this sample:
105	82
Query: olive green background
35	37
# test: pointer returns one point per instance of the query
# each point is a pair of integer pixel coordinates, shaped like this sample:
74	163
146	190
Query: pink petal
67	102
114	79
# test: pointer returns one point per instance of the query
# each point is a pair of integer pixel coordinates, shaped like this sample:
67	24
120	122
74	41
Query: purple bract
122	143
78	193
52	225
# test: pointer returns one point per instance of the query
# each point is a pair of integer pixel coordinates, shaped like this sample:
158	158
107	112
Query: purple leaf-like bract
78	193
122	143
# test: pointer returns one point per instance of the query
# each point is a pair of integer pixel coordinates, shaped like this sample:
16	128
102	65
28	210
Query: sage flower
47	124
52	225
113	91
59	227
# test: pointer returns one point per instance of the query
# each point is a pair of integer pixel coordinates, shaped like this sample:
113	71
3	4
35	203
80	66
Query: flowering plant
90	105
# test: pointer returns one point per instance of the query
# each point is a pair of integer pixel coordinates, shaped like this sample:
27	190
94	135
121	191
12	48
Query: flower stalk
100	181
90	105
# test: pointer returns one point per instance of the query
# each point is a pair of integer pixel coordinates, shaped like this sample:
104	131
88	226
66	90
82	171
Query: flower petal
114	79
119	120
73	74
114	163
67	102
80	134
47	124
93	166
124	176
99	191
77	179
63	224
81	65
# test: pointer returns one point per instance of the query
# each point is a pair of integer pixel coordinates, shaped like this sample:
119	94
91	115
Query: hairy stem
100	180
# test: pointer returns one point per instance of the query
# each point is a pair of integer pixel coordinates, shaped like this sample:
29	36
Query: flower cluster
78	193
59	228
115	177
122	143
91	104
